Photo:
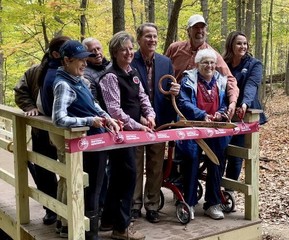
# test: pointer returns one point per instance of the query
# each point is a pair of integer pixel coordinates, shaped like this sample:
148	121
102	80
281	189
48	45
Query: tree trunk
83	6
238	15
173	24
258	30
151	11
118	15
243	6
248	24
44	31
133	14
170	8
205	10
141	14
258	48
224	23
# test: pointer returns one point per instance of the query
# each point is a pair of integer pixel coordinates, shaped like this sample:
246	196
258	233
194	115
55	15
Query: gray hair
88	40
117	42
205	53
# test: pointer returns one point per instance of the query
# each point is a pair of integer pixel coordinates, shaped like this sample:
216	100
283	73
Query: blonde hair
117	42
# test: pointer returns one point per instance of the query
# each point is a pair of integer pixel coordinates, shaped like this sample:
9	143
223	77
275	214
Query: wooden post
75	199
21	174
252	169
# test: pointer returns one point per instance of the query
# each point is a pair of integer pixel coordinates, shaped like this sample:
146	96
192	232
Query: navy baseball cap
74	49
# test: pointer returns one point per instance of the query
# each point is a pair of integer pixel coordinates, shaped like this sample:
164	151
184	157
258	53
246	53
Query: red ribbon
107	141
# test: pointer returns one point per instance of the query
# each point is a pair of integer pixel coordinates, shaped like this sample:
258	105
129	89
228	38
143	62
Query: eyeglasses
207	63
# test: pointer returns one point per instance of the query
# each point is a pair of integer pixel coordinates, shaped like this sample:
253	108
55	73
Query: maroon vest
208	102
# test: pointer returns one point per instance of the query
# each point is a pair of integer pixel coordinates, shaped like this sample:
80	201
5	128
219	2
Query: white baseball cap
194	19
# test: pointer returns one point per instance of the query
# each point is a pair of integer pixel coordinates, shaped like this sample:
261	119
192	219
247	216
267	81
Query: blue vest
83	106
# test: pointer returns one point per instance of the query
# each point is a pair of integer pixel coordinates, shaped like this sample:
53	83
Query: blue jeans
234	164
190	170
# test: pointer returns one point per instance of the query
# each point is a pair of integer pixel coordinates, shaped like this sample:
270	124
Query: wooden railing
76	179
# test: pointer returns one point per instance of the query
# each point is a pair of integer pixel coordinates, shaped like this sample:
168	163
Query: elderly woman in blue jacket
203	97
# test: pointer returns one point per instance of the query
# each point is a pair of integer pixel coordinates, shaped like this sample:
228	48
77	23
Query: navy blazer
249	76
162	104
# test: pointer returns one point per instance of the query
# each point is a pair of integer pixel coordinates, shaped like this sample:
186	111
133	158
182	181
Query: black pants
4	236
45	180
118	202
94	164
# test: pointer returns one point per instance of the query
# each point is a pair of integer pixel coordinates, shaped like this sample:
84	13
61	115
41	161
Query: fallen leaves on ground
274	168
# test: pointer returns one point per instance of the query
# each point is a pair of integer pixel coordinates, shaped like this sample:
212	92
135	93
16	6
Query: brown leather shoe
129	233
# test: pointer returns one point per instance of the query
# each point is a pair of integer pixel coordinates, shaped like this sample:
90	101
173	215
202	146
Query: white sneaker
192	210
215	212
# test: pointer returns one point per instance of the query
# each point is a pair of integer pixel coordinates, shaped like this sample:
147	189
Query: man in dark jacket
96	66
26	93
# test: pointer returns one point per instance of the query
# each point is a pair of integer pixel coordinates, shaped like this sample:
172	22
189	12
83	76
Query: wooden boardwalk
233	227
25	223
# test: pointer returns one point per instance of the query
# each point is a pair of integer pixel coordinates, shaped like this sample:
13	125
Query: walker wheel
228	203
162	200
183	212
200	191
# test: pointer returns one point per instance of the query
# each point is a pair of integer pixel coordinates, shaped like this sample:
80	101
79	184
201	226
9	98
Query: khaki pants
58	142
154	176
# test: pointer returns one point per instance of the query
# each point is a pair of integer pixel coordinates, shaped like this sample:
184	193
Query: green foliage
23	42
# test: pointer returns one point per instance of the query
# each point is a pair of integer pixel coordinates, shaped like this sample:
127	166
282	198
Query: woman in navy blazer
248	72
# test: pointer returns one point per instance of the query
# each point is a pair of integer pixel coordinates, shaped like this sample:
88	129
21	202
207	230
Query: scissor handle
168	93
161	81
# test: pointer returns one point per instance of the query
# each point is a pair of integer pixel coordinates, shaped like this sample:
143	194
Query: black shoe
49	218
152	216
100	211
63	232
135	214
105	227
58	226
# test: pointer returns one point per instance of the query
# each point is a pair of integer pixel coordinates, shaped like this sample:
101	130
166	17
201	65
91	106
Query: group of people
76	85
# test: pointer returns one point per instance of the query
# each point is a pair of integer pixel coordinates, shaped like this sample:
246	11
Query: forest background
27	26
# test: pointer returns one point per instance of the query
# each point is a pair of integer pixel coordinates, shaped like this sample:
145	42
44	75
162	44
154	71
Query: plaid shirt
64	96
111	96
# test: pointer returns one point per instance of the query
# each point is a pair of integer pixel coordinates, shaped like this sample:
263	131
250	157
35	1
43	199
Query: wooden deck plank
234	226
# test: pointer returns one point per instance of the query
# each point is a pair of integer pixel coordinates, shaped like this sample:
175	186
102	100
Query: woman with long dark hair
248	72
